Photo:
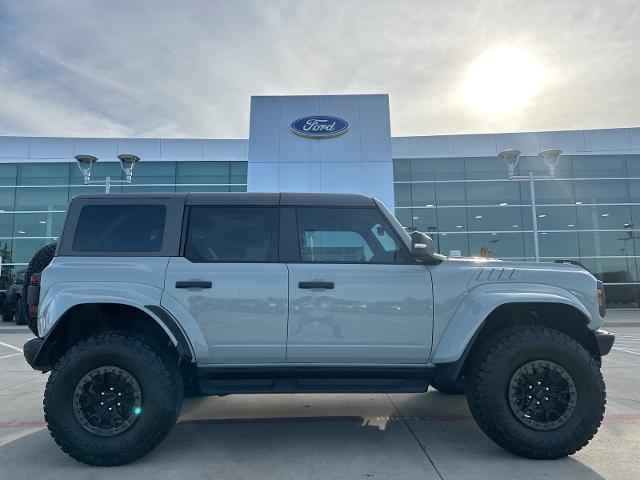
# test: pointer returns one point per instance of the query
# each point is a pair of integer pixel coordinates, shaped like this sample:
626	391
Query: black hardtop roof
245	198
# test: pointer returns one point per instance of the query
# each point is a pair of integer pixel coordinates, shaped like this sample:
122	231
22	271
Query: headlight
602	300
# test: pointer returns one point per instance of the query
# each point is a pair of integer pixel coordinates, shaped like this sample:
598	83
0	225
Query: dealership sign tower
321	143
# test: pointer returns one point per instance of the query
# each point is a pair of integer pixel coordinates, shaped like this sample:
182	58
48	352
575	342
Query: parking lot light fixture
551	157
127	162
511	157
85	162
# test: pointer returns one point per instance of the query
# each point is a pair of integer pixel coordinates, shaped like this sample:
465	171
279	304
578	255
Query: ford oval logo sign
319	126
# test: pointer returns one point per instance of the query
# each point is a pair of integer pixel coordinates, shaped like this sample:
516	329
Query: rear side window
120	228
232	234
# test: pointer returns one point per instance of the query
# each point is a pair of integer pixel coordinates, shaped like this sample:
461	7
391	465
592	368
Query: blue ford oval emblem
319	126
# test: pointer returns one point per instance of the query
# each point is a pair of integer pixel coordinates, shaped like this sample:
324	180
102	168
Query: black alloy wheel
542	395
107	401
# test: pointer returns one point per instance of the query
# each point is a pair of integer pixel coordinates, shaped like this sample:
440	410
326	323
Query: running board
214	380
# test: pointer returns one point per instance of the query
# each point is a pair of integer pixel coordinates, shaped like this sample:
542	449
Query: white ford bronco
148	297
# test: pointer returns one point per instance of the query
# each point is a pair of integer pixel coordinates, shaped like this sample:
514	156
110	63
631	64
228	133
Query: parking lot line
626	351
12	355
11	347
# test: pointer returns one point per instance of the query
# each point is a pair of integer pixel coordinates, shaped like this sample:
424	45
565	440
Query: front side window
346	235
120	228
232	234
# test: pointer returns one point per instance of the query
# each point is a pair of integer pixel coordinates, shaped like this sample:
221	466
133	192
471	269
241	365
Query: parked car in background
13	307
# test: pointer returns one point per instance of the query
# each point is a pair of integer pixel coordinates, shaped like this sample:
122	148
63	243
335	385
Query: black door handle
310	285
193	284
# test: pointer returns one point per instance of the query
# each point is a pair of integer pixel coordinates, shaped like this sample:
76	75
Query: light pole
127	162
511	158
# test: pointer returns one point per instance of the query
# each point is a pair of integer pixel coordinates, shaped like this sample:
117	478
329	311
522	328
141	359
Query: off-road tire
40	260
492	367
8	314
457	387
4	308
160	382
20	314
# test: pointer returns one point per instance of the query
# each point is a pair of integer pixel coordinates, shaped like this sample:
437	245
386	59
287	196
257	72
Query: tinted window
120	228
346	235
233	234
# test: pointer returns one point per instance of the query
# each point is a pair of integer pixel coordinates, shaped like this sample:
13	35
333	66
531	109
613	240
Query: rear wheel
536	392
112	398
4	307
20	313
8	313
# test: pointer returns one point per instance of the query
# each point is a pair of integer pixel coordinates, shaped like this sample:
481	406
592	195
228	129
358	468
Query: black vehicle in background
12	307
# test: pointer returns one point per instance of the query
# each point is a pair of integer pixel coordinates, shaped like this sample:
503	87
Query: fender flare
42	358
471	314
62	297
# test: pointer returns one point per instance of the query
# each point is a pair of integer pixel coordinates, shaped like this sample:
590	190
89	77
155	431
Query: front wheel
112	398
536	392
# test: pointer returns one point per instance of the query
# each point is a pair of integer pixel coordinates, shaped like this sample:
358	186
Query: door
229	284
356	295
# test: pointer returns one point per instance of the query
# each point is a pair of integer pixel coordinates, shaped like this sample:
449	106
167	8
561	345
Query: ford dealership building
455	187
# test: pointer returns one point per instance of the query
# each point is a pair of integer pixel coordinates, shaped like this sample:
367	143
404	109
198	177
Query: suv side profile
150	296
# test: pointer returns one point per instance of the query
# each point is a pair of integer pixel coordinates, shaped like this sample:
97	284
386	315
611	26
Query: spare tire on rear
38	263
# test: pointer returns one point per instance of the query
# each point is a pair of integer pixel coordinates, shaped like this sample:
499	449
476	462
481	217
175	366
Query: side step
214	380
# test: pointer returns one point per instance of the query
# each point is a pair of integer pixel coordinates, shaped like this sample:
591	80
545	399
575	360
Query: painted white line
626	351
11	347
12	355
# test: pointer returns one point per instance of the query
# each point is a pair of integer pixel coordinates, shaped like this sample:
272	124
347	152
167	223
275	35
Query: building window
590	213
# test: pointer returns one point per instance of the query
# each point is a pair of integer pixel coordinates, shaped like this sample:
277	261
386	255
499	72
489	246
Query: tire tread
489	419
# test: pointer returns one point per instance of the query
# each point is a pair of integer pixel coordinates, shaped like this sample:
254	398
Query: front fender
483	300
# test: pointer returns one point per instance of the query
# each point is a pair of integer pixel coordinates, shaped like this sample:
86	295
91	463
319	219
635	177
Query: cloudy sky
188	68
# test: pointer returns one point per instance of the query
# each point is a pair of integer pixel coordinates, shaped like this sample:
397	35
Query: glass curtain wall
590	213
34	196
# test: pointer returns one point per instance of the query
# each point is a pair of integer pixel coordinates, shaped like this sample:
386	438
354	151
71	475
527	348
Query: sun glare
502	81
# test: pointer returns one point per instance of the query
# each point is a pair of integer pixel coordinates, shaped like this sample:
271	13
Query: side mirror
421	245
